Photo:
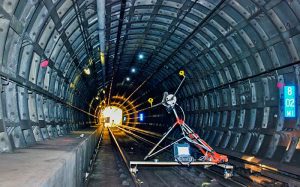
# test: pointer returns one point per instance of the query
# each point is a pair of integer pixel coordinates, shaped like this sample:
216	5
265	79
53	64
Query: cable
181	111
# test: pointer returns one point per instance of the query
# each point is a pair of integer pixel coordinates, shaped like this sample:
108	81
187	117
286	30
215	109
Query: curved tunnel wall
40	101
235	53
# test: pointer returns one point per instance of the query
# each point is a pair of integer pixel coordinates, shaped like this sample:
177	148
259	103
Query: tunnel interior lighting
289	101
141	117
87	71
127	78
97	98
133	70
112	115
72	85
141	56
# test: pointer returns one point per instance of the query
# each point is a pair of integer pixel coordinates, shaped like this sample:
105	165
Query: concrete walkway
56	162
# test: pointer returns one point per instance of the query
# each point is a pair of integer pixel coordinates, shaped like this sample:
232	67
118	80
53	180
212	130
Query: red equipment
169	101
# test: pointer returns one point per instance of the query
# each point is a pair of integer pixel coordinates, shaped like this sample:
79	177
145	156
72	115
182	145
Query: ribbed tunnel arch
237	56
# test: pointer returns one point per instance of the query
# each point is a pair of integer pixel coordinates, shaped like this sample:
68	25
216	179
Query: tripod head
170	100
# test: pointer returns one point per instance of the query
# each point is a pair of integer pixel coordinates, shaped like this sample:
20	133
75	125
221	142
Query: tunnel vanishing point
62	62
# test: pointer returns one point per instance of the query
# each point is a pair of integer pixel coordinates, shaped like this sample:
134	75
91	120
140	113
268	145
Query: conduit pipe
101	28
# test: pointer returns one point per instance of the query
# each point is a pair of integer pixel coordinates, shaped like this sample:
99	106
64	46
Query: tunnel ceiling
217	42
236	54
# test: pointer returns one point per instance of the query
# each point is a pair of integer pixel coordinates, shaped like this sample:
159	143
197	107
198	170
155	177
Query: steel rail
134	179
212	175
242	162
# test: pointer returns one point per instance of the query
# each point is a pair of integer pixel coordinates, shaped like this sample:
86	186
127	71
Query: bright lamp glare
141	56
127	79
133	70
113	116
141	116
87	71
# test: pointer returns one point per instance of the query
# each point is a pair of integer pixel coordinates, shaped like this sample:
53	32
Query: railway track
243	175
133	145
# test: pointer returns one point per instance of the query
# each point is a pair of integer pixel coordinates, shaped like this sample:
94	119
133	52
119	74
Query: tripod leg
203	147
160	141
165	147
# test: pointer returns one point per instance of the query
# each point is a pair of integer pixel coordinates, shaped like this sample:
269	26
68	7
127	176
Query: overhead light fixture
141	117
72	85
127	78
141	56
97	98
87	71
133	70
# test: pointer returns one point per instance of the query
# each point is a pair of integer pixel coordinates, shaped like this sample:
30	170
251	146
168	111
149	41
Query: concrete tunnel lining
236	54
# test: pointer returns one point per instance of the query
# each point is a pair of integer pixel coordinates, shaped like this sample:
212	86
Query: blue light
289	101
141	117
124	118
141	56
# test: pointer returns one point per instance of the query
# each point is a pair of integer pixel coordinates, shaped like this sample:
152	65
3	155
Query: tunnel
63	61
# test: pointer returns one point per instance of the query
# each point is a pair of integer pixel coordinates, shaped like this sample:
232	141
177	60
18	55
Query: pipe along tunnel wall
237	55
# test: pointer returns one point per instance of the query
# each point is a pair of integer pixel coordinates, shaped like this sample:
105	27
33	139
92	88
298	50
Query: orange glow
125	105
119	102
251	159
260	179
268	167
253	167
298	144
289	144
112	116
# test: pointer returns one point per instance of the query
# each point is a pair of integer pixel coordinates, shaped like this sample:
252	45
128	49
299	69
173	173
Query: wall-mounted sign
289	101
